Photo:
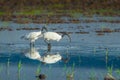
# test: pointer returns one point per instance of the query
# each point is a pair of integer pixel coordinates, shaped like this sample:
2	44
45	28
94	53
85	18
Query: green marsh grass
19	69
38	70
118	73
93	75
8	66
32	12
110	70
2	13
106	56
5	24
70	72
65	68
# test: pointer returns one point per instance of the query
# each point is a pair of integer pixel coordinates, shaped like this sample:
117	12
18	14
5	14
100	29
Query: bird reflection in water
32	53
47	58
51	58
66	58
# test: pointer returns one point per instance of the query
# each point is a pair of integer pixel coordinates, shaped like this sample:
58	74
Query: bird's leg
33	44
30	48
30	45
67	58
49	47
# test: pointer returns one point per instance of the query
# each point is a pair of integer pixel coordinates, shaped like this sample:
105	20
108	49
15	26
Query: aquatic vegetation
118	72
19	69
31	12
93	76
19	65
5	24
110	70
109	77
65	67
38	70
8	64
70	73
106	56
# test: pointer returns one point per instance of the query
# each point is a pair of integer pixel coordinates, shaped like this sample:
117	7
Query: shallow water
90	54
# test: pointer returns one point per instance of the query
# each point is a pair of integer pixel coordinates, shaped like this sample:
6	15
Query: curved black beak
65	33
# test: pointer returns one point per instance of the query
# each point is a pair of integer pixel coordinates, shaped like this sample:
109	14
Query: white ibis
33	36
48	36
53	36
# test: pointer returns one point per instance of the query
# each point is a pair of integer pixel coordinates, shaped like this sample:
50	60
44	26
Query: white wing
32	36
52	36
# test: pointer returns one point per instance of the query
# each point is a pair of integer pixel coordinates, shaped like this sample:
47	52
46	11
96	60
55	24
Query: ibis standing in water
53	36
33	36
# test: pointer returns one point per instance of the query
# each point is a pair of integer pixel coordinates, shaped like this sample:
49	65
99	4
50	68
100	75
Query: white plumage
33	54
51	58
32	36
52	36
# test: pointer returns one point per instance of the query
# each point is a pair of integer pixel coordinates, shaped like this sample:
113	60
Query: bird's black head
44	28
